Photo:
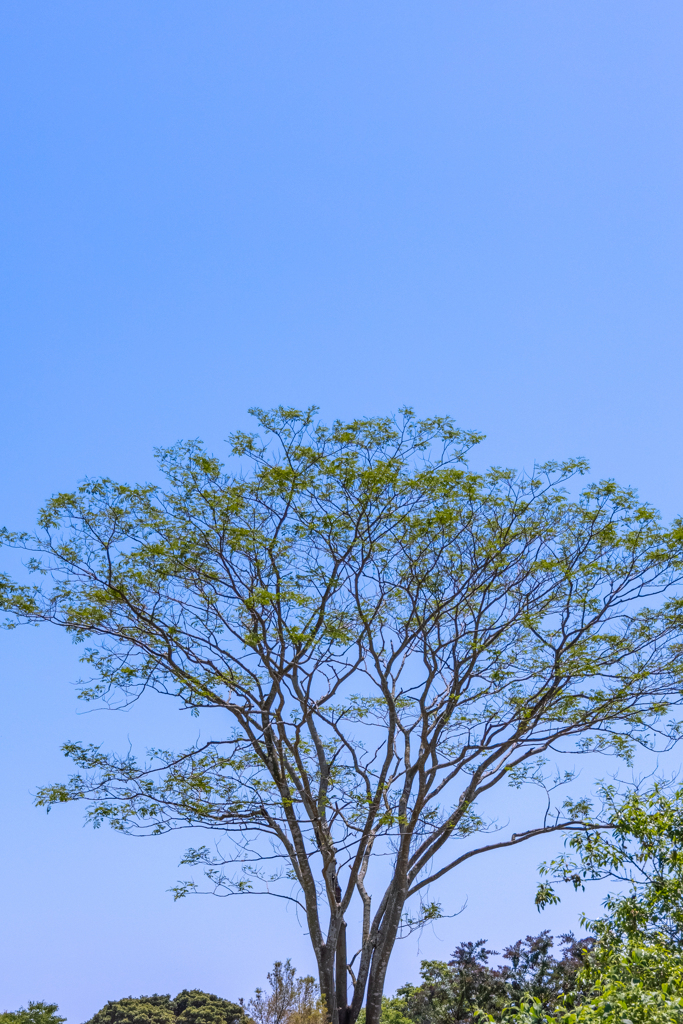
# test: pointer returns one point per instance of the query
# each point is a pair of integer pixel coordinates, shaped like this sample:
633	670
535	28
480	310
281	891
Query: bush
37	1013
142	1010
189	1007
195	1007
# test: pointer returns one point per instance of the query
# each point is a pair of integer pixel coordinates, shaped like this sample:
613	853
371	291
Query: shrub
141	1010
191	1006
36	1013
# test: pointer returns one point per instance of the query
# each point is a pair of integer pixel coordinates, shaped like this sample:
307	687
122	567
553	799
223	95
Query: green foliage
466	986
195	1007
393	1012
533	971
634	984
453	991
141	1010
188	1007
634	973
35	1013
643	848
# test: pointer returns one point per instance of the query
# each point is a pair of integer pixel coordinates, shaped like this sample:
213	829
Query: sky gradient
469	207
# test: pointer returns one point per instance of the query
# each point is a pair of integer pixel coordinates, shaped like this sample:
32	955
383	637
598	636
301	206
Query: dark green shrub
195	1007
36	1013
142	1010
189	1007
456	992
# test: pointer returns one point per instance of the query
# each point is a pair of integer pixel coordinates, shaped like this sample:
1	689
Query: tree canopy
34	1013
191	1006
459	991
388	635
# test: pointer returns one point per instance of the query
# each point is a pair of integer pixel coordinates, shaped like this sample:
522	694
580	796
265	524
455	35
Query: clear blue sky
471	206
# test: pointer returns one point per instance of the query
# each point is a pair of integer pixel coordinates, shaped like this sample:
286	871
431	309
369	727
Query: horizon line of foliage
586	985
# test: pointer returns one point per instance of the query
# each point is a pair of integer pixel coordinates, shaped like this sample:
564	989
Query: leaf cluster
643	849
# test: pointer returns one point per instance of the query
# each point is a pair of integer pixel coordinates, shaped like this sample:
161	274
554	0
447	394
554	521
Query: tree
291	1000
643	849
465	987
388	634
34	1013
534	971
635	984
634	970
154	1009
189	1007
453	992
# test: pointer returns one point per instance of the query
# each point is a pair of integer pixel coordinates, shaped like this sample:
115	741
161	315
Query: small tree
34	1013
634	970
291	1000
454	992
189	1007
389	637
467	986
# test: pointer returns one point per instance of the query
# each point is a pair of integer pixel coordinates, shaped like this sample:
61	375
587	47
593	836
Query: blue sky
471	207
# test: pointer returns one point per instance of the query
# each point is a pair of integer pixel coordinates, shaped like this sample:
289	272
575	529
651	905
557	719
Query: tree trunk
342	995
327	989
386	939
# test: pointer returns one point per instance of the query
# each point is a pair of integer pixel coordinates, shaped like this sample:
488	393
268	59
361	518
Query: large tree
389	636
